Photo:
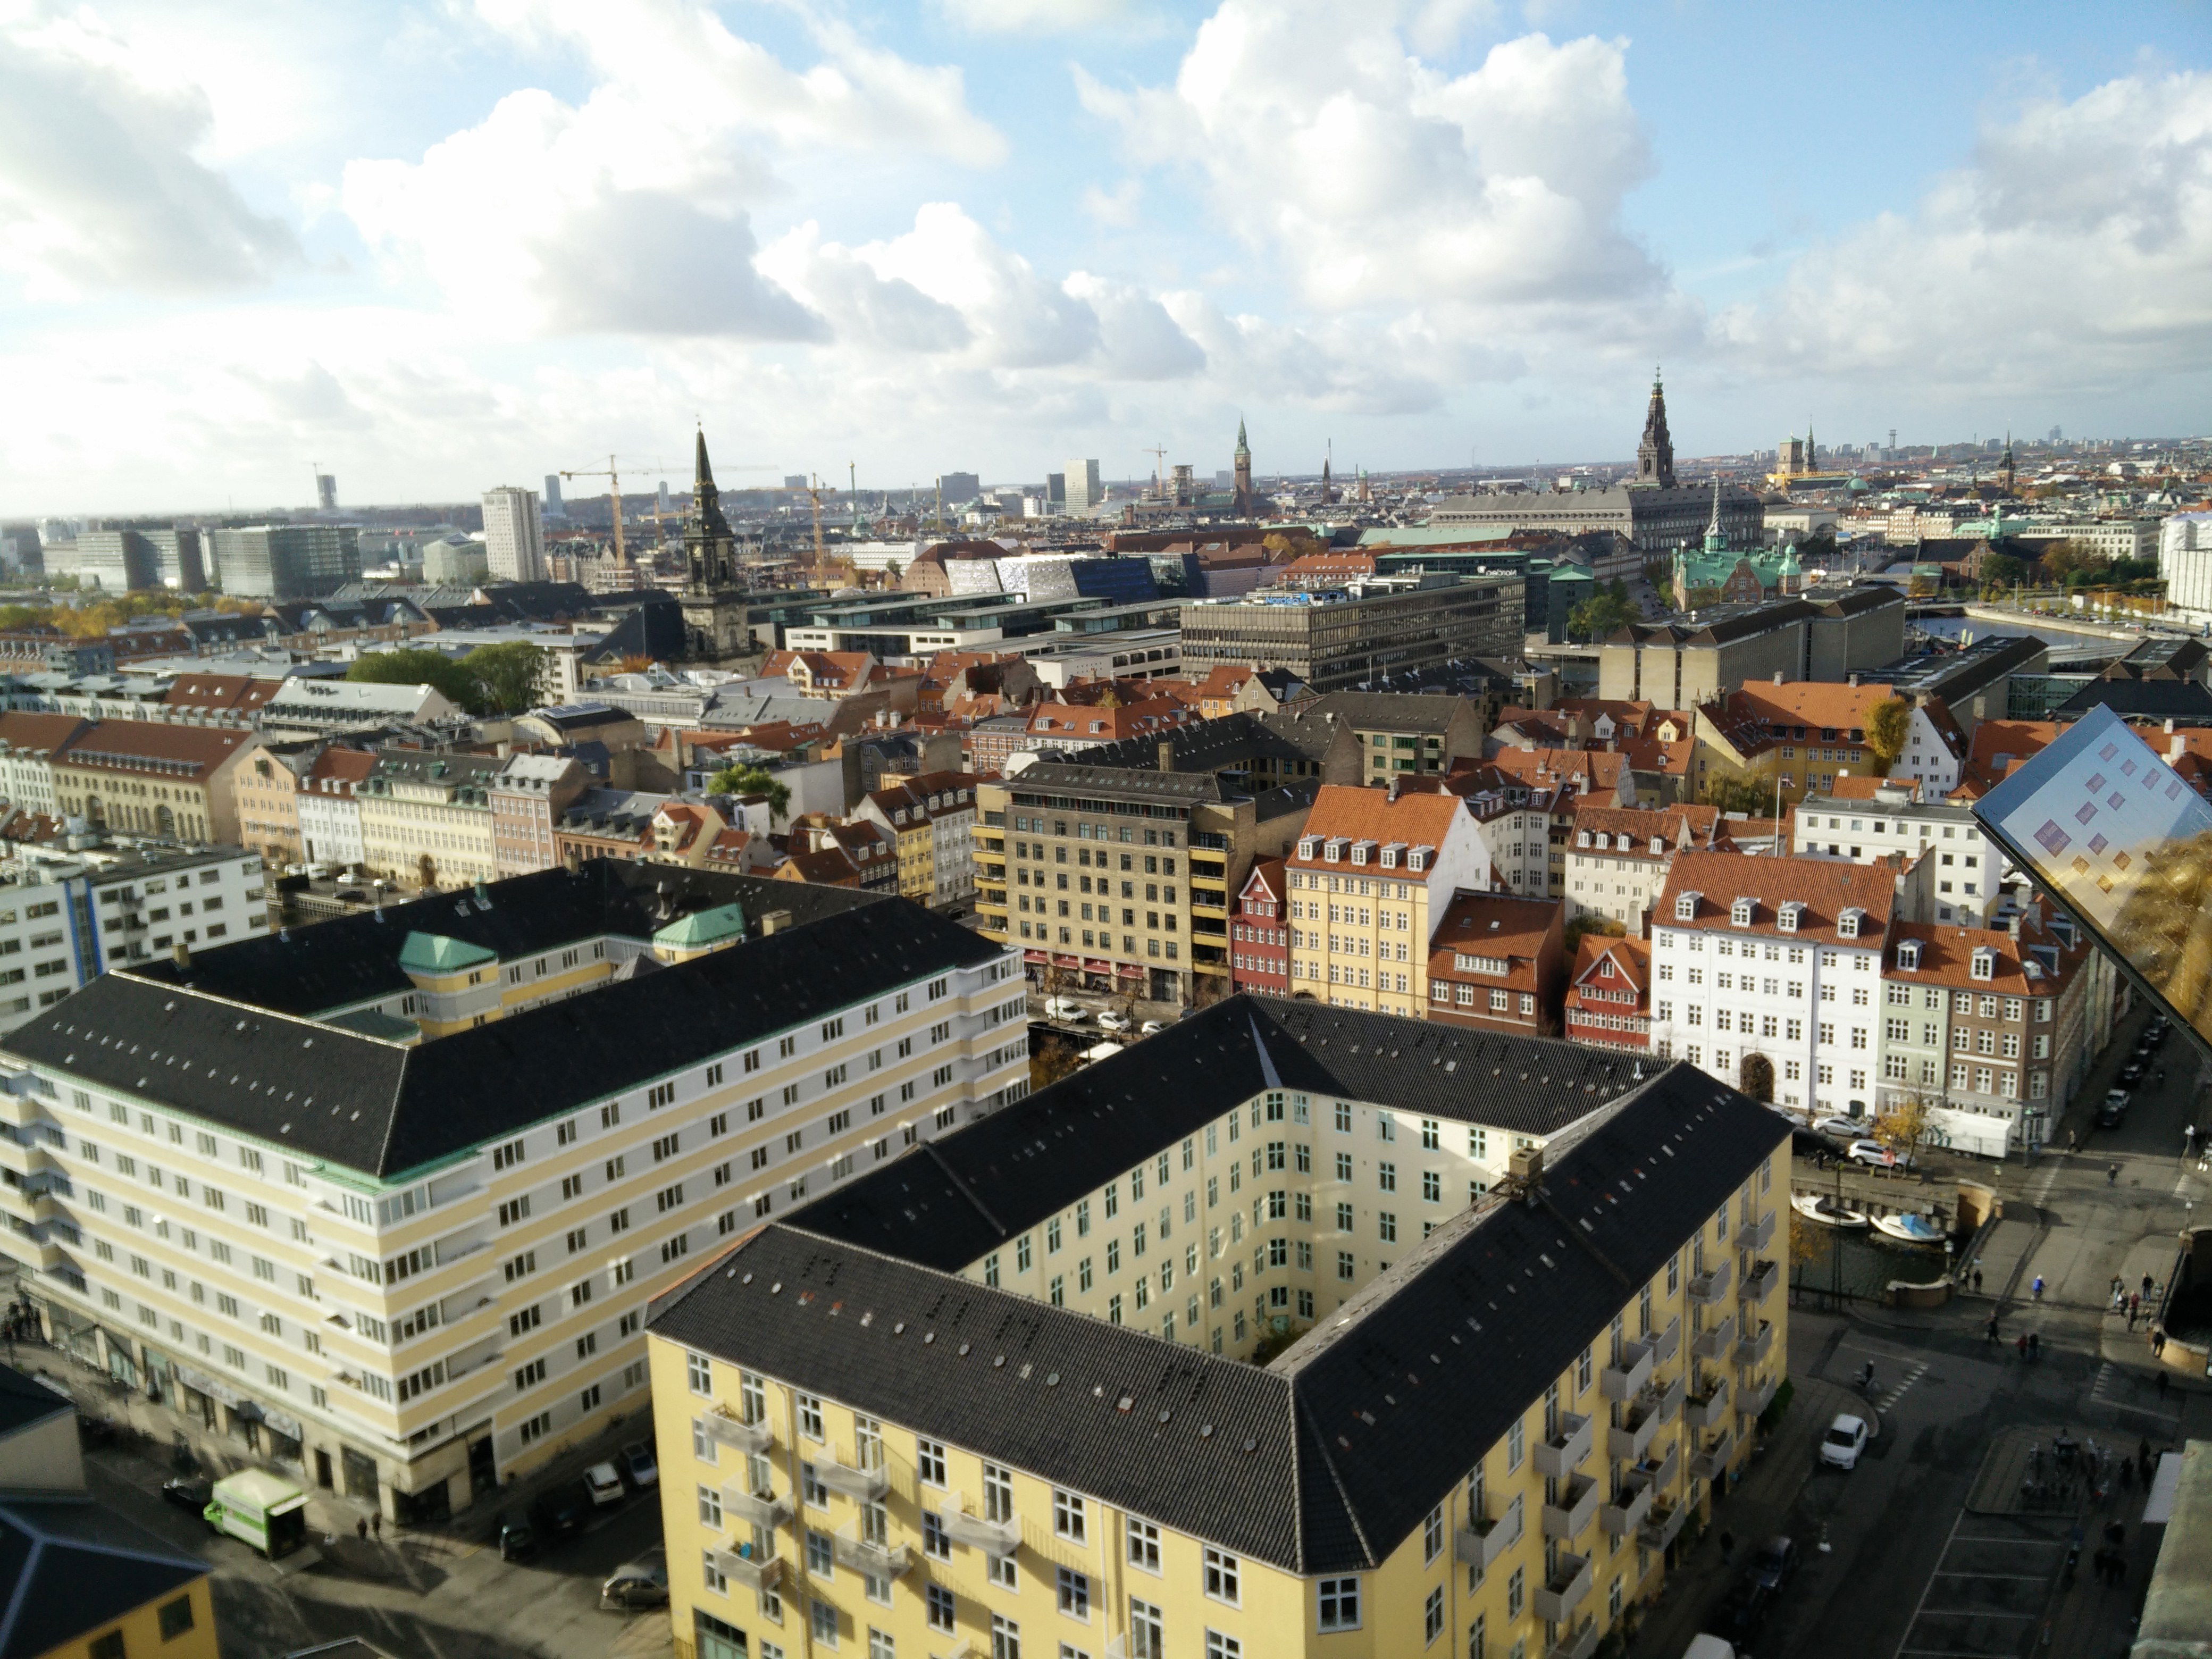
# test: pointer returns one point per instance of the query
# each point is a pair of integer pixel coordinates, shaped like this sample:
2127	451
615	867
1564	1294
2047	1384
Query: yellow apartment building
1488	1437
388	1207
426	817
1372	873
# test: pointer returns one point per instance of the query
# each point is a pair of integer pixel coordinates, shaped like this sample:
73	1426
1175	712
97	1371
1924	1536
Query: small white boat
1826	1212
1909	1228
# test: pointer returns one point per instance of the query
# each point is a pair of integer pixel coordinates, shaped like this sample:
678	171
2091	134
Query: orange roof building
1608	1000
1499	964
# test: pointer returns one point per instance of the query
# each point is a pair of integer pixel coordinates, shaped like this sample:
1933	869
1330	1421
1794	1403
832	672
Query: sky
434	247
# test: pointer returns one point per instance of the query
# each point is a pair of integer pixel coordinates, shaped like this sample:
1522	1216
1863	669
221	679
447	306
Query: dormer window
1685	907
1417	860
1306	848
1740	912
1786	916
1389	858
1658	846
1333	851
1984	964
1582	838
1908	956
1847	924
1359	854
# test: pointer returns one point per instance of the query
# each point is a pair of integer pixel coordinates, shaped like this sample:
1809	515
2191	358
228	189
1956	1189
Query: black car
564	1510
2131	1073
1744	1612
517	1542
1774	1563
189	1493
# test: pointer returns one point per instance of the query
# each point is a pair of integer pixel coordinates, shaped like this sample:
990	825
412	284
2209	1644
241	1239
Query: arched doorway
1756	1078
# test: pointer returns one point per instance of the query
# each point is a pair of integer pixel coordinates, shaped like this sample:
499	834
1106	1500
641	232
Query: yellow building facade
867	1448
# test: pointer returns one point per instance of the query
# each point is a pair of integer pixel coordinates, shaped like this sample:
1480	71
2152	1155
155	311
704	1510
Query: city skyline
427	253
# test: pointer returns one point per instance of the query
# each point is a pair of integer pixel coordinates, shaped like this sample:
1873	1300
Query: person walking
1993	1328
2034	1345
2021	1342
2111	1174
2148	1285
2158	1350
361	1528
2134	1310
1978	1279
2036	1288
376	1525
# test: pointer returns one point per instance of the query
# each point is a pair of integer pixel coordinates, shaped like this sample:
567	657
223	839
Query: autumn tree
744	781
1904	1125
1605	612
1888	723
1054	1059
1734	794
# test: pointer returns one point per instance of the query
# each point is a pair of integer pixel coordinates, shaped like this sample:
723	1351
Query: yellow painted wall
142	1630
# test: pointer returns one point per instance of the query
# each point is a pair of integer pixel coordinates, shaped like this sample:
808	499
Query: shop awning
1093	965
1131	970
1035	959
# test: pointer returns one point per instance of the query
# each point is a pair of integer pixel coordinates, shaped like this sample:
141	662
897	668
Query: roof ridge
929	1147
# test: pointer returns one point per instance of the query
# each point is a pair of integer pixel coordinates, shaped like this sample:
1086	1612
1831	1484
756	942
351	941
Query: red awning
1067	961
1131	970
1033	956
1091	965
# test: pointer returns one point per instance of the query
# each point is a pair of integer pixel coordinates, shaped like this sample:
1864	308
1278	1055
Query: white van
1707	1647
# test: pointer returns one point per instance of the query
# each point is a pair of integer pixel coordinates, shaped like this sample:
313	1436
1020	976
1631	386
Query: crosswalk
1888	1402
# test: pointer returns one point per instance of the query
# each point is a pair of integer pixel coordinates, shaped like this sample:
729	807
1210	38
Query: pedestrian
1993	1328
2037	1288
376	1525
2158	1348
1728	1546
360	1529
2164	1383
2111	1174
2148	1285
2034	1345
1977	1281
2021	1342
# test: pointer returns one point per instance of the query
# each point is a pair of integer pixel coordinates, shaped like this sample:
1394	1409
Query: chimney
1166	754
1528	1167
774	921
183	956
1855	679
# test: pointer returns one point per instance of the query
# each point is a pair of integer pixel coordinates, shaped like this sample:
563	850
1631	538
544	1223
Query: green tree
1604	612
2074	562
1732	793
1886	724
432	668
508	674
752	781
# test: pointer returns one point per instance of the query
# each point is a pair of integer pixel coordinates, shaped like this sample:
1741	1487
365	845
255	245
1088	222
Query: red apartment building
1609	992
1260	947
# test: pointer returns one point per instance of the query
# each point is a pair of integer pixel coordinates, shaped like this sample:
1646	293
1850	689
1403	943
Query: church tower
1654	456
2005	470
1327	494
1245	505
710	550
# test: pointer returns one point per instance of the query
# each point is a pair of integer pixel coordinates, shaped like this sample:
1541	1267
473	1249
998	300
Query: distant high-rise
1055	489
1083	491
661	498
794	481
326	492
285	561
514	535
1655	455
959	487
551	498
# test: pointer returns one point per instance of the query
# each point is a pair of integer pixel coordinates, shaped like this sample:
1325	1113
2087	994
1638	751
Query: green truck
264	1510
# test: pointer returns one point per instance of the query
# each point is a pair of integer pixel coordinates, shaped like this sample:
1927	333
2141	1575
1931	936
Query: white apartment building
1967	869
514	536
1617	858
387	1210
1766	973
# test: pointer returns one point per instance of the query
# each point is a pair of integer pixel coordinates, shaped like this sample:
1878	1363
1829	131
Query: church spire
709	545
1655	455
1243	448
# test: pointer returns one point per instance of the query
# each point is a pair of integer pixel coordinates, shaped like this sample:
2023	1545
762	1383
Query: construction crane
1160	461
614	497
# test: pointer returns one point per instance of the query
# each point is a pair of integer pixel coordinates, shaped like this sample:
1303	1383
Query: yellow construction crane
614	497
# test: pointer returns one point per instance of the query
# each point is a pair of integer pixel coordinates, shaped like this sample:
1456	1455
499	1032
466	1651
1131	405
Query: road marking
2022	1543
1927	1589
1890	1399
2024	1578
1972	1613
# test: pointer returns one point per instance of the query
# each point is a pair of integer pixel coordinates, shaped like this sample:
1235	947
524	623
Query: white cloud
100	186
1378	182
1119	207
1032	16
2074	251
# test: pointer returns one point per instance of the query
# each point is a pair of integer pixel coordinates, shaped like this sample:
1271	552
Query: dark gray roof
1393	711
1227	742
376	1107
969	1192
2172	699
25	1400
70	1566
1320	1462
1076	779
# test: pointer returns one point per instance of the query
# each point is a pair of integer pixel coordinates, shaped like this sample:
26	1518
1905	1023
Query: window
699	1374
1068	1517
1432	1534
1221	1577
1219	1646
824	1615
1147	1631
997	1493
176	1617
1339	1603
1005	1637
929	1462
1432	1616
1144	1546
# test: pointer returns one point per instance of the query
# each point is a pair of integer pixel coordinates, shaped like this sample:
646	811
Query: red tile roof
1826	887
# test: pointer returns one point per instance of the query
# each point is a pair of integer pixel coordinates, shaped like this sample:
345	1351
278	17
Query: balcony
1708	1464
1754	1347
1671	1398
1625	1513
1661	1526
877	1560
1483	1542
991	1537
762	1509
864	1485
1560	1594
1713	1341
1669	1467
1579	1645
1557	1456
1626	1441
1751	1403
1706	1410
755	1572
1759	1284
1757	1237
1626	1380
1567	1519
1707	1288
725	1427
1668	1342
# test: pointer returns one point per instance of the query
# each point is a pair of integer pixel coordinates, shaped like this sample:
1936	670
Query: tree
1734	794
442	674
1920	586
1757	1078
1604	612
1888	723
1904	1125
2067	559
1054	1059
509	674
1583	926
752	781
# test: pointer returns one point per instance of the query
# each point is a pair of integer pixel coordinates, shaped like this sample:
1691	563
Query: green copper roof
702	928
434	953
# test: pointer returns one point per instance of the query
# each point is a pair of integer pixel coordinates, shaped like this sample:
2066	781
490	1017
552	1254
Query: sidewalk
1760	1503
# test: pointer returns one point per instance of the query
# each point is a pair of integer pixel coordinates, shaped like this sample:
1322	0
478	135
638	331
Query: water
1870	1262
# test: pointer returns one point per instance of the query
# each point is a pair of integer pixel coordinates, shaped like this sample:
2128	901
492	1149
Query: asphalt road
412	1594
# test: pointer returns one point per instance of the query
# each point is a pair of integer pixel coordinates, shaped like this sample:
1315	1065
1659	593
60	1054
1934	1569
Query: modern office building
515	537
1083	491
286	560
385	1198
1289	1331
1356	637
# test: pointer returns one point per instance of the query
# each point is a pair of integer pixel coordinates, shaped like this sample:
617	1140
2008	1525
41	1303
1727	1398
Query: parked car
1841	1129
639	1463
1774	1563
1743	1611
1875	1155
565	1509
1149	1027
605	1485
1061	1008
516	1541
1114	1022
640	1583
2114	1111
2131	1074
189	1493
1846	1438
